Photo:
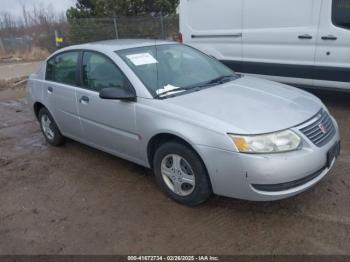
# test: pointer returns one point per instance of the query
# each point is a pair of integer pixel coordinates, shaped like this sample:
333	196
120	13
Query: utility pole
115	25
2	47
162	25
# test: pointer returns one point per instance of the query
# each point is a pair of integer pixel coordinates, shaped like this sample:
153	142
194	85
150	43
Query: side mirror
117	94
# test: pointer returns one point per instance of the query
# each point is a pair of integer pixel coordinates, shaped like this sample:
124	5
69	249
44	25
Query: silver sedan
201	127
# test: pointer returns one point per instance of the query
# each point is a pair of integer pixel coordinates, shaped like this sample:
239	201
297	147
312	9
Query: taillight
178	38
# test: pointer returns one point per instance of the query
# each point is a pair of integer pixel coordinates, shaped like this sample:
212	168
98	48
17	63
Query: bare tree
35	27
25	14
7	21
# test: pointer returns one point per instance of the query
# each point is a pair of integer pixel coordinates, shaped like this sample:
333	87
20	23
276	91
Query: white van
300	42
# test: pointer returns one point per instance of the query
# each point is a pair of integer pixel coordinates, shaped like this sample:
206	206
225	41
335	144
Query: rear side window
62	68
341	13
259	14
199	14
100	72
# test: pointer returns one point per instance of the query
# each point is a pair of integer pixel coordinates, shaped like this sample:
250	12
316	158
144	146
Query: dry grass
13	83
34	55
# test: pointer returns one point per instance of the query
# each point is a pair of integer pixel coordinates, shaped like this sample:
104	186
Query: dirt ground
78	200
15	70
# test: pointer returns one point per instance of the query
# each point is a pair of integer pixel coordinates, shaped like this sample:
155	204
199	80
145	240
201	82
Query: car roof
115	45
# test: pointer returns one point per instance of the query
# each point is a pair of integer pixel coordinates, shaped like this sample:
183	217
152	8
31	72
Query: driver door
107	124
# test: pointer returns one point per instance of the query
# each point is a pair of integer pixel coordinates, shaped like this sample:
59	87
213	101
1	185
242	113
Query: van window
277	13
341	13
206	15
62	68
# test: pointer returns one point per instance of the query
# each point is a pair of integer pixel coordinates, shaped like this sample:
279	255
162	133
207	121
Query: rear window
341	13
62	68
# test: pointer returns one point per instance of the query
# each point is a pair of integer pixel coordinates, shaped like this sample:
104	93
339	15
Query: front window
100	72
174	67
341	13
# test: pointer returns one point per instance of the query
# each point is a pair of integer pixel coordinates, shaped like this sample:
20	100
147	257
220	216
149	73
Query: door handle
50	90
329	37
306	36
84	100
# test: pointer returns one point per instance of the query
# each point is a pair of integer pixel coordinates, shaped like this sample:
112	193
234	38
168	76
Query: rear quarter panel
35	86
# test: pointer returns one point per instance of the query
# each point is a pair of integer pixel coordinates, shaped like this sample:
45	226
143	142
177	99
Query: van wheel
49	128
181	174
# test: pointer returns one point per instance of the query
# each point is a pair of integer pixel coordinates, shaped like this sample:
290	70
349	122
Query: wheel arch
37	106
161	138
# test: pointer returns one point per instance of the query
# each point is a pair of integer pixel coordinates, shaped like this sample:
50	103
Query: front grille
321	130
287	185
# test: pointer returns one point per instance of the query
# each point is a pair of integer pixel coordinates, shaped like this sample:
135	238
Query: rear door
215	27
60	92
333	45
107	124
279	39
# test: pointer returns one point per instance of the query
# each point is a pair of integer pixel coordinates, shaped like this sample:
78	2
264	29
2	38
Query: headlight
270	143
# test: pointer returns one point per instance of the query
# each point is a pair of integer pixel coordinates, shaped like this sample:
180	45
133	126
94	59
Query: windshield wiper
176	90
221	79
216	81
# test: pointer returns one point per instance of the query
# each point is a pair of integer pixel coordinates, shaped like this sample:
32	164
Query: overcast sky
14	6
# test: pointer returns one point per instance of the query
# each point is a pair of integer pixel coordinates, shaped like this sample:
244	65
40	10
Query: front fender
151	121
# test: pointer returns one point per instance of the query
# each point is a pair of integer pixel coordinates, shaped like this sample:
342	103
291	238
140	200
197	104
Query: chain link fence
50	37
87	30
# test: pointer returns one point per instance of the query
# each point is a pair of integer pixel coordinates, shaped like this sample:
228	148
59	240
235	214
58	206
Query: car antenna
155	46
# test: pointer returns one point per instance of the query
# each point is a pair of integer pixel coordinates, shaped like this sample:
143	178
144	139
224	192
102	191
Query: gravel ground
78	200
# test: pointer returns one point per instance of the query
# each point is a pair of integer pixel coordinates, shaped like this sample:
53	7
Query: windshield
173	68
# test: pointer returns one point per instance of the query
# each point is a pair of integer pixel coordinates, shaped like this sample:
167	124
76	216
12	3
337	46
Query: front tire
49	128
181	174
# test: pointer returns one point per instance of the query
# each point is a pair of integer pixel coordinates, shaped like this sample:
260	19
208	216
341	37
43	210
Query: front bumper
267	177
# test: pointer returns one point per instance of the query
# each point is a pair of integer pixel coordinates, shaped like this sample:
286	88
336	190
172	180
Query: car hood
251	106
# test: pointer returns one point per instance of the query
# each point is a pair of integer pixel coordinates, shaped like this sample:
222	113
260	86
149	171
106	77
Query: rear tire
49	128
181	174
